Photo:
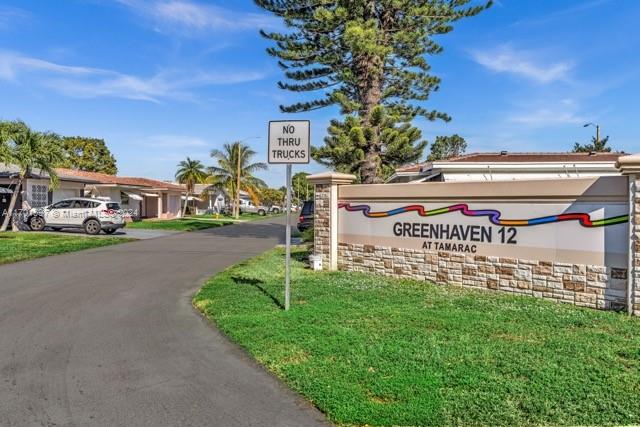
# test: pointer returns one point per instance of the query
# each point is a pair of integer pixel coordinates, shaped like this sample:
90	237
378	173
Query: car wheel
37	223
110	231
276	211
262	212
92	227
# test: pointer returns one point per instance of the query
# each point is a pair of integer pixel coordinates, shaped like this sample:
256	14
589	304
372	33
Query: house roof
104	178
506	157
11	170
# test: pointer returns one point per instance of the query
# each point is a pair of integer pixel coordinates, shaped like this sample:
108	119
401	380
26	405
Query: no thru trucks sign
288	145
289	141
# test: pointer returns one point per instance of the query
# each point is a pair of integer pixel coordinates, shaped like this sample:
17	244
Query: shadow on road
259	230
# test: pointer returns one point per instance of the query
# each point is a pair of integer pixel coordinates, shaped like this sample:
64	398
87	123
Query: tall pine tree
596	146
363	55
346	144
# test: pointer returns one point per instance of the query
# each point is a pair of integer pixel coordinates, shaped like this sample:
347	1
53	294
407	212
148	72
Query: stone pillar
325	217
630	166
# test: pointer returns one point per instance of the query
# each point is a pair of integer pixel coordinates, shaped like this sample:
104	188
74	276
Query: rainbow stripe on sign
493	215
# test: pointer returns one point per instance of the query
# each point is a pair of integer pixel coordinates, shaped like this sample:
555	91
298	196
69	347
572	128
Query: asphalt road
109	337
135	233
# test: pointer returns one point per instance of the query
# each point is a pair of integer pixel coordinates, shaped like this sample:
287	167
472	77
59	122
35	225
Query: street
108	336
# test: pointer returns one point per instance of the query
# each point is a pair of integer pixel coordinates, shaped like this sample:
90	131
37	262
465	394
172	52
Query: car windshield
61	205
307	208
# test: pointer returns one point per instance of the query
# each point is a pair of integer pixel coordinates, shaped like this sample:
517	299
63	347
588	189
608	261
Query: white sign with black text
289	141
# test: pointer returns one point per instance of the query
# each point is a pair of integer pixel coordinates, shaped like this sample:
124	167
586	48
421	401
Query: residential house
144	197
36	191
208	198
505	166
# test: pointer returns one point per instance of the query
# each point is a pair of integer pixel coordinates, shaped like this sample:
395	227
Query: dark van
306	216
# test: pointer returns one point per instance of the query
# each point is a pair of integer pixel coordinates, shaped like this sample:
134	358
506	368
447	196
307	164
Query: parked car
275	209
305	221
92	215
247	206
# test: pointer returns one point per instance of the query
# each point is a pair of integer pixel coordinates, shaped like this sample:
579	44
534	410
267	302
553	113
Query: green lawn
379	351
25	245
181	224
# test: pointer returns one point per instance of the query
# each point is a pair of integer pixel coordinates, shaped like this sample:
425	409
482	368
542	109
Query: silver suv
92	215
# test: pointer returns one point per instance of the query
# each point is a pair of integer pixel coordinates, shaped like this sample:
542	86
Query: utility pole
597	126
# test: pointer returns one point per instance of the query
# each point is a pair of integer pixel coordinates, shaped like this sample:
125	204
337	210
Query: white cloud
561	13
563	114
12	64
86	82
10	16
184	15
505	59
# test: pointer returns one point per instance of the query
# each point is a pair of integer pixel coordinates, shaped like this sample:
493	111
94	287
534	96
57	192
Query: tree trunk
186	202
371	95
370	74
12	204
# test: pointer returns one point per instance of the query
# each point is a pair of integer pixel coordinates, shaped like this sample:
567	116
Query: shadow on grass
302	256
257	283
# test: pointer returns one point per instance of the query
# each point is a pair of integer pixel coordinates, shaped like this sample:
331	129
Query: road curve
108	337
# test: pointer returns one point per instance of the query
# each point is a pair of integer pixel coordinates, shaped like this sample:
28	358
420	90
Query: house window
39	195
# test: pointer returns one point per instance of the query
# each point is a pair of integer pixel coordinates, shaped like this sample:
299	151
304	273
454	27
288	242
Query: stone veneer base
582	285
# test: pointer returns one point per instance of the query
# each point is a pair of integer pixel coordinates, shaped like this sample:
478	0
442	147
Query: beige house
143	197
506	166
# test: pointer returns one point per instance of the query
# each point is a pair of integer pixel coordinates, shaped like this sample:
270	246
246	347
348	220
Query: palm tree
28	150
4	142
234	158
190	172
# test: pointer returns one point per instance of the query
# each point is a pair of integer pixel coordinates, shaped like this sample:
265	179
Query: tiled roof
506	157
104	178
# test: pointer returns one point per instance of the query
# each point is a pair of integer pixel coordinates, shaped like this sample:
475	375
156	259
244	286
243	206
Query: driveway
135	233
109	337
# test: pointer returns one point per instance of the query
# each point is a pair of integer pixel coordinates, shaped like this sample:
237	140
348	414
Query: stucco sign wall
584	233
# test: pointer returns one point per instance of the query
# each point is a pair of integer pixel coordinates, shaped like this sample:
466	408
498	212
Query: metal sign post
289	143
287	265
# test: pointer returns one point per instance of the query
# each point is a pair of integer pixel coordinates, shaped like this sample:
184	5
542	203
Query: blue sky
160	80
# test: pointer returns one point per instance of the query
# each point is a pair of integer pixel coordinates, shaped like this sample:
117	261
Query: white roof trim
134	196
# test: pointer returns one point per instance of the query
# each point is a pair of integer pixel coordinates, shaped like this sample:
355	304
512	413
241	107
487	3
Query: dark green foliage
302	188
87	154
308	235
271	197
360	55
370	350
446	147
597	146
346	144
